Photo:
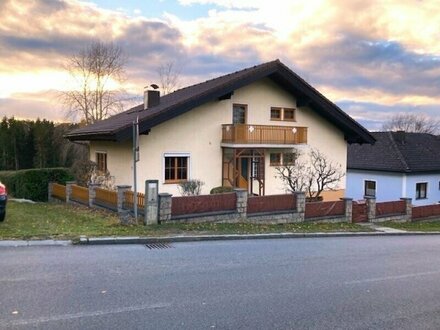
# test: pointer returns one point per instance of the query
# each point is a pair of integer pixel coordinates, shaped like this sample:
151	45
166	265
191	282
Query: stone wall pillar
165	207
371	208
151	211
120	191
69	185
301	205
408	208
241	205
348	206
92	193
49	192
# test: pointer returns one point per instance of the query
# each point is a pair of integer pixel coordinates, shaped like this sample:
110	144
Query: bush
191	187
221	190
33	184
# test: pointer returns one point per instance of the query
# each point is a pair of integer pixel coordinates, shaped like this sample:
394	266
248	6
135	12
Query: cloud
372	57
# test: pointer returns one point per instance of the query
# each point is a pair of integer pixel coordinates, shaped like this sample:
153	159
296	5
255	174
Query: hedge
32	184
221	190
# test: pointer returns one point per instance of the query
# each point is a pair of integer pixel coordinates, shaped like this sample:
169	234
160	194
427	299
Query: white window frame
365	188
176	154
426	190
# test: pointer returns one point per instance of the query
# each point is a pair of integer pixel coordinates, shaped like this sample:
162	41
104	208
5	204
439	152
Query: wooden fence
106	198
359	211
129	200
203	204
80	194
390	208
427	211
59	191
271	203
324	209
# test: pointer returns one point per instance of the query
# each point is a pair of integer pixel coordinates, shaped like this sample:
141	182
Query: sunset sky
372	58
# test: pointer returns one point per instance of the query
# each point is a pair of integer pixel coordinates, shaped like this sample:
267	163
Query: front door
243	173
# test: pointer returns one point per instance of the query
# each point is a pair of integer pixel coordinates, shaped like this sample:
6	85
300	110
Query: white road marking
391	278
64	317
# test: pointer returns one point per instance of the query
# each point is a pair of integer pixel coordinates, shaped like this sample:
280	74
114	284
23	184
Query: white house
398	165
229	131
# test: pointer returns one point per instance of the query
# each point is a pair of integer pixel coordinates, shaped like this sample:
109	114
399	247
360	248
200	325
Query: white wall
198	133
389	186
392	186
433	193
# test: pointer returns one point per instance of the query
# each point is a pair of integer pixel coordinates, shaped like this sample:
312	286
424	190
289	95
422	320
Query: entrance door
243	173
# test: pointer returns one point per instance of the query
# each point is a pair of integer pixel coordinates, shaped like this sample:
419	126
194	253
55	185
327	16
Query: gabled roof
397	152
119	127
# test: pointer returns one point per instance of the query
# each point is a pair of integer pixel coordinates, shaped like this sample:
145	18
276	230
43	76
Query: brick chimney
151	96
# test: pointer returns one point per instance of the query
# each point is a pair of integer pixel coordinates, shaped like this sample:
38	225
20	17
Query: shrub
221	190
191	187
33	184
82	170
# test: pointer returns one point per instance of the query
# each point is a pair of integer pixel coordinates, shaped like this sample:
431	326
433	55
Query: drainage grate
157	246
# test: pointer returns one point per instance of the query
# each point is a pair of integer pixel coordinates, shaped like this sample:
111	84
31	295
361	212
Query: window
421	190
275	159
286	114
101	161
255	168
289	158
285	158
275	114
289	114
239	114
176	169
370	188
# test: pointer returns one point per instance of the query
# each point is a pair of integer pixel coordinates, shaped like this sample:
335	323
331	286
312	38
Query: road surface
319	283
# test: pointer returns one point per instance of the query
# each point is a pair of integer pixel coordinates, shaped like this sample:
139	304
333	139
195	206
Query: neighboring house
398	165
229	131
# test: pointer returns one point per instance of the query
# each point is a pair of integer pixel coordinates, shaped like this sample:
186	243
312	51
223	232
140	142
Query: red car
3	200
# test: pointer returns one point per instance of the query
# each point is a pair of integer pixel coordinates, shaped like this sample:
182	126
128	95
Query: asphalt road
320	283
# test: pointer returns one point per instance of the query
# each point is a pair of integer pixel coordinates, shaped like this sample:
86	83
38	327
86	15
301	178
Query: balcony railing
263	134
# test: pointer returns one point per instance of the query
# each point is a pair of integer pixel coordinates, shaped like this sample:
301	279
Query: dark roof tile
118	127
397	152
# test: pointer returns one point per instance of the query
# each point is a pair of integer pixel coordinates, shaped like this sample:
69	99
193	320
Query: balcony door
239	114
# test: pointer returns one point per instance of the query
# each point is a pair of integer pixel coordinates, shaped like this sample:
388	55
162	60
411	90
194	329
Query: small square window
289	114
370	188
275	113
275	159
421	190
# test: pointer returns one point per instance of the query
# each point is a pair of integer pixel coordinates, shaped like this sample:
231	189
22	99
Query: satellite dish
154	86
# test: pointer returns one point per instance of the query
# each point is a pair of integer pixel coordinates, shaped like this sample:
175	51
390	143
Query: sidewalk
379	231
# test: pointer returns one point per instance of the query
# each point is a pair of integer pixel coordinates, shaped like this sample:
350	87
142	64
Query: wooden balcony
263	134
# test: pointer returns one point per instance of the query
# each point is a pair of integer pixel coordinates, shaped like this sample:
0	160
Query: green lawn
415	226
61	221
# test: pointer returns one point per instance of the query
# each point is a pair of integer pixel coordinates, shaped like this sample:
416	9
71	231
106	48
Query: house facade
398	165
230	131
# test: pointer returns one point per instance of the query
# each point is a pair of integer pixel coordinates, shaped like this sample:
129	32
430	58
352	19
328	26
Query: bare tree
312	174
97	71
409	122
169	77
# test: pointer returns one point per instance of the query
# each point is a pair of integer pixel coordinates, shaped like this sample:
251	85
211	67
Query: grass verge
61	221
415	226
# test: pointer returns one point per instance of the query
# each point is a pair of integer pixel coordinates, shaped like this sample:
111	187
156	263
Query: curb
175	239
47	242
170	239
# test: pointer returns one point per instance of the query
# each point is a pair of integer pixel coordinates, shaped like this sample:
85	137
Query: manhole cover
158	246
